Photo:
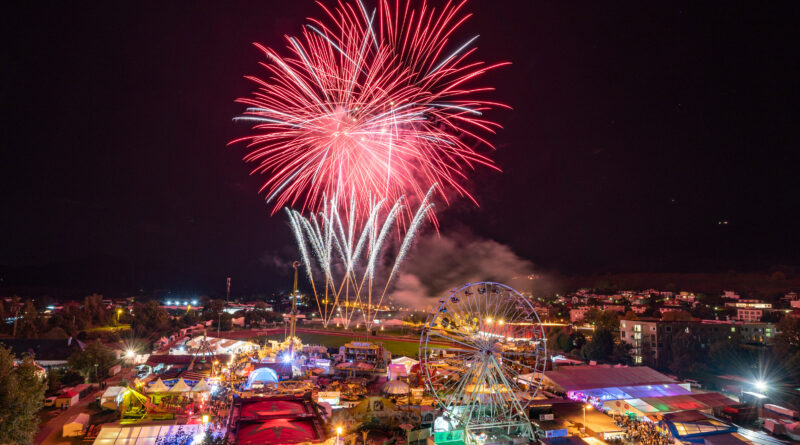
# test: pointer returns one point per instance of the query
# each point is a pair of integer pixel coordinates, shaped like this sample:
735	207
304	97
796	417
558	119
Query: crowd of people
639	432
181	437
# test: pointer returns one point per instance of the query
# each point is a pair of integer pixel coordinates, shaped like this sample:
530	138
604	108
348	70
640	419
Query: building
651	338
357	351
577	314
579	382
115	434
748	304
47	353
749	315
635	391
730	295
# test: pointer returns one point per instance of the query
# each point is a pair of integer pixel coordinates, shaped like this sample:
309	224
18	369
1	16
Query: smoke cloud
438	263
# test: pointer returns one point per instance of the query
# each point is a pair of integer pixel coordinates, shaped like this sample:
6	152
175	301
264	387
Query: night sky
637	129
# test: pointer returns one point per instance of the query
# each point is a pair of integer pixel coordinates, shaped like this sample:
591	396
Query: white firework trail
342	261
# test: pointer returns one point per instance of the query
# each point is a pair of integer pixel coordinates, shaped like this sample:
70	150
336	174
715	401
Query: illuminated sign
331	397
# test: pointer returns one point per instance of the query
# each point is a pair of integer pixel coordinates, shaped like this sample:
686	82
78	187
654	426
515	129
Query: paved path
50	433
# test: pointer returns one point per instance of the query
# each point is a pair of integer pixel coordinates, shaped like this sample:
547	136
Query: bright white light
129	353
194	302
761	385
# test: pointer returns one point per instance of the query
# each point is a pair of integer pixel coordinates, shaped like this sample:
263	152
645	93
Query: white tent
75	425
181	386
158	386
408	362
201	386
112	396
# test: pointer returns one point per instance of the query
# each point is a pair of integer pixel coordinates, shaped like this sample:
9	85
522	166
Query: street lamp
338	433
585	407
761	385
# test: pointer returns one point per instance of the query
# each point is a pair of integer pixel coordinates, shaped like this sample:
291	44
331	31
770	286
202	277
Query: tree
788	339
621	353
684	350
53	379
591	315
31	324
608	320
630	315
601	346
93	361
212	310
190	318
56	333
677	316
577	339
96	310
702	312
21	396
3	314
558	340
150	319
787	348
225	322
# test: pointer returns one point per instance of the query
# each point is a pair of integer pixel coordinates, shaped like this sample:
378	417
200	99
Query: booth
66	399
112	397
75	426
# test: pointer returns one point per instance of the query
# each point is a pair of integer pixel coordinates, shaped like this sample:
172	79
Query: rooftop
577	378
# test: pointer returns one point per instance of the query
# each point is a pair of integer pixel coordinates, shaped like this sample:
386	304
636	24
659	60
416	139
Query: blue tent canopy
261	375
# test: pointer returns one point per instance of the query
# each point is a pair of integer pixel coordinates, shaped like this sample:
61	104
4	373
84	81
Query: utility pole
227	298
293	316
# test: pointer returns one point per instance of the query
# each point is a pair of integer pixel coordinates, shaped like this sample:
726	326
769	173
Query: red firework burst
370	104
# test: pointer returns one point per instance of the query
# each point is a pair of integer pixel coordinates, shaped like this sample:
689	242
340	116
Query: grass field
397	348
122	327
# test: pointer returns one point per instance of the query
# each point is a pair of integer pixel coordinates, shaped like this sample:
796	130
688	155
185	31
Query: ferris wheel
482	354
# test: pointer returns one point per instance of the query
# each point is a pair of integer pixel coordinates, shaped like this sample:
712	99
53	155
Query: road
50	433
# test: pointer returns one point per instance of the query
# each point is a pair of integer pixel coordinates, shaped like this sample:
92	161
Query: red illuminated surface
276	431
273	408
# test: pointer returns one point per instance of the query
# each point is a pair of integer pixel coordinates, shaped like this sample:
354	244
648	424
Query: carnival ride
486	381
136	406
203	351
